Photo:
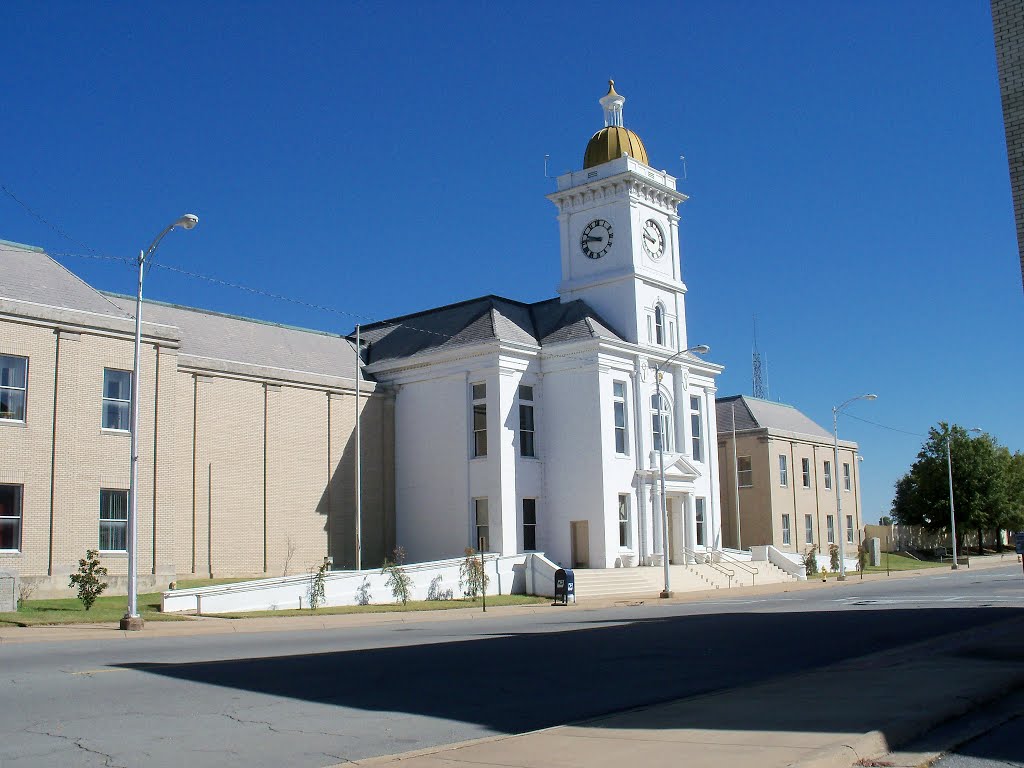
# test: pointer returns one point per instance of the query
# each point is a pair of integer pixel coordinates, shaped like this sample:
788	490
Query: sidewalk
886	700
205	625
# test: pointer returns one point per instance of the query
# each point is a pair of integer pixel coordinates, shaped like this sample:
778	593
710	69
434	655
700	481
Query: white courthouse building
490	423
534	427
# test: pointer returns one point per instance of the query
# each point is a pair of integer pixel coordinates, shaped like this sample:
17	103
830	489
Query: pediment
677	467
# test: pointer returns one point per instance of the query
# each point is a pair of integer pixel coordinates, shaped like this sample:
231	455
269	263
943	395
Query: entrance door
579	533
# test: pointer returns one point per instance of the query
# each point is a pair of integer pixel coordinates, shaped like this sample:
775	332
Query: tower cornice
634	181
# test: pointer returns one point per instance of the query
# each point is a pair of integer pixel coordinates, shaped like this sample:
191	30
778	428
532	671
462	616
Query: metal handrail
715	566
748	568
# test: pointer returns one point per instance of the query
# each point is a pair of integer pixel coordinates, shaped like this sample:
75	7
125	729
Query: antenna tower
758	377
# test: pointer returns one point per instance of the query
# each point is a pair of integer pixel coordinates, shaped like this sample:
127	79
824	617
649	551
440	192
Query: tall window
479	420
621	425
10	518
744	472
659	325
808	529
13	385
831	521
117	397
480	525
623	520
700	522
849	529
786	536
696	430
529	524
846	476
664	427
113	521
805	467
526	427
783	471
828	474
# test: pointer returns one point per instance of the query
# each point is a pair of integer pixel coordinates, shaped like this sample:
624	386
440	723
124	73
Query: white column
714	502
690	516
656	518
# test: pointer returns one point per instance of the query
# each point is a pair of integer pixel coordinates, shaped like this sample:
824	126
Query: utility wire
884	426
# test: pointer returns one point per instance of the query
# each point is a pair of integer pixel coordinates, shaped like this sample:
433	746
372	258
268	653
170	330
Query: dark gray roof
483	319
754	413
235	339
28	274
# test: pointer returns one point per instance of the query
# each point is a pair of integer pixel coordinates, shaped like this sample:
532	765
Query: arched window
662	426
659	325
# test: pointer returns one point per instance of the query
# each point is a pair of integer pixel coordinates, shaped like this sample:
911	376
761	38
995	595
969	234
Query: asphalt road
311	699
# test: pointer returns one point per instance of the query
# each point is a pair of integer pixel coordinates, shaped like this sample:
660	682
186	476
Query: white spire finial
612	103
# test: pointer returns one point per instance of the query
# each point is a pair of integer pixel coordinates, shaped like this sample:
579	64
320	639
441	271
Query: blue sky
846	165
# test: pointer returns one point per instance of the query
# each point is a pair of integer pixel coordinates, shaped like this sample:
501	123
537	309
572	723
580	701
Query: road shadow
526	680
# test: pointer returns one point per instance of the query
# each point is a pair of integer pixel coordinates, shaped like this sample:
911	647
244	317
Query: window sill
110	431
530	458
12	422
113	552
10	551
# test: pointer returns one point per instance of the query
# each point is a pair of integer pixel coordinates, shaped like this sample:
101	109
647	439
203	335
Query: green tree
398	581
88	578
885	520
980	474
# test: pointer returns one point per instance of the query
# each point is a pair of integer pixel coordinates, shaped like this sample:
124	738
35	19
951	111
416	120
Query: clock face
653	239
596	239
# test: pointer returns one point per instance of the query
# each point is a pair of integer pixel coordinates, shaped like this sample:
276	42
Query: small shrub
317	587
862	558
833	558
472	579
399	582
88	578
25	591
811	562
434	592
363	595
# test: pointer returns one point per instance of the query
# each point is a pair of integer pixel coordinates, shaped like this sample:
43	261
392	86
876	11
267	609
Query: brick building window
846	476
808	529
744	472
805	470
113	521
828	474
13	387
10	518
785	530
117	399
783	471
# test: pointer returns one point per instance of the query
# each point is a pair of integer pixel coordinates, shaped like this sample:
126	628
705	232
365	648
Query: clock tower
619	231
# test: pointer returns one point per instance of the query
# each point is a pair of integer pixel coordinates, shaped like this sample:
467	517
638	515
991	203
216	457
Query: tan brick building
784	479
246	458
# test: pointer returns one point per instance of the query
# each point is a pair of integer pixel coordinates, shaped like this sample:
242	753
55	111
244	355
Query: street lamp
836	410
132	620
702	349
949	467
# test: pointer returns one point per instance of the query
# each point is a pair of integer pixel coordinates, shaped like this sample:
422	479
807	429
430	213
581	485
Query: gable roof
483	319
230	338
29	275
755	413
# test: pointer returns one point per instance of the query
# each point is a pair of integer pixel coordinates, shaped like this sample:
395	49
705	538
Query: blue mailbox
565	585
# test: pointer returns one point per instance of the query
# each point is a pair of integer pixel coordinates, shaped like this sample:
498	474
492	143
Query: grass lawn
196	583
896	563
904	563
412	605
69	610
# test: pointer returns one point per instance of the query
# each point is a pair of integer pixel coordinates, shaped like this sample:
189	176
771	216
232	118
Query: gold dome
610	142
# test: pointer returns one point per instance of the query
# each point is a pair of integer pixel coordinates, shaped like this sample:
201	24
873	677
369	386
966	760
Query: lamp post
836	410
702	349
949	468
132	620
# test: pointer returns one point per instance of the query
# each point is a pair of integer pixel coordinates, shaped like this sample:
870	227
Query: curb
876	743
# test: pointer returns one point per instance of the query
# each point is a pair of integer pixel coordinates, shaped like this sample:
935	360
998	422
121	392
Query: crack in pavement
108	760
275	729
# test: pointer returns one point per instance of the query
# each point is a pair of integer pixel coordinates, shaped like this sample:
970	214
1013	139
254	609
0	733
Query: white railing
742	566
